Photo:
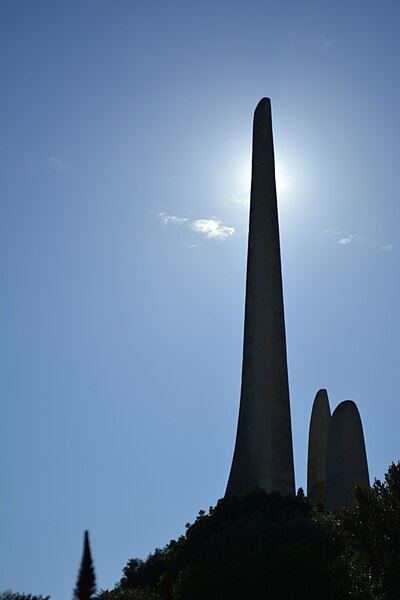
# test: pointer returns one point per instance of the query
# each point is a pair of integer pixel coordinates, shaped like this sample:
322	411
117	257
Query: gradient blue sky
125	155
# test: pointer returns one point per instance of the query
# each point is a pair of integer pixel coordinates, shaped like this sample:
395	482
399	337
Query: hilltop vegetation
269	547
265	546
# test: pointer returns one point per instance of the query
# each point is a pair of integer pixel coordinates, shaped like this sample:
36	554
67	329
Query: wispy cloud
212	228
344	239
166	219
348	239
341	237
239	198
331	231
388	247
328	44
57	164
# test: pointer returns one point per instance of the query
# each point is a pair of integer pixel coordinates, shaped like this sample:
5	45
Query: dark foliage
246	548
145	574
9	595
86	584
243	548
372	527
265	546
127	594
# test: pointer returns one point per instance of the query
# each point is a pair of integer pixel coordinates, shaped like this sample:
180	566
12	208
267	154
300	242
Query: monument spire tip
263	108
264	102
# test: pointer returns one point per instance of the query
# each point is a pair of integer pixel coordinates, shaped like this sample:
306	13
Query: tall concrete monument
317	447
263	453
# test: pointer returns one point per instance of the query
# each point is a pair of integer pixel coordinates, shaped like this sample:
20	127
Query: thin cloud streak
351	237
57	164
331	231
328	44
212	228
239	198
345	239
342	238
166	219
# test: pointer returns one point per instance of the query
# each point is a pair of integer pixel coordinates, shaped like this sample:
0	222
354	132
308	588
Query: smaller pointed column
317	448
346	460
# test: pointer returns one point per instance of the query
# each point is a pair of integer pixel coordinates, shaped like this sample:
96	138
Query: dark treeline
265	546
9	595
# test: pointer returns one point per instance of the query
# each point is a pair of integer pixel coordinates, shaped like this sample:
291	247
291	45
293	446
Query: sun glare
243	180
281	179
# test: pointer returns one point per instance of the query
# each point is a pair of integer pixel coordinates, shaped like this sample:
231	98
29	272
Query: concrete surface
263	453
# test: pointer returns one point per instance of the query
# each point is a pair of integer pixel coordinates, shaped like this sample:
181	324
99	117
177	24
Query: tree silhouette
9	595
372	526
86	584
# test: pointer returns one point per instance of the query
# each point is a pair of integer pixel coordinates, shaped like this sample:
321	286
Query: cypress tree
86	584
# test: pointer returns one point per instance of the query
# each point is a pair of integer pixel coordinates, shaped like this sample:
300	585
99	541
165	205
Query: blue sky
125	155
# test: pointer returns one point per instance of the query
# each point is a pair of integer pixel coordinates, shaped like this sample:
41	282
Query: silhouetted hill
266	546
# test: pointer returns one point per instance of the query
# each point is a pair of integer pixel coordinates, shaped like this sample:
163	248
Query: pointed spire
317	447
86	584
263	454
